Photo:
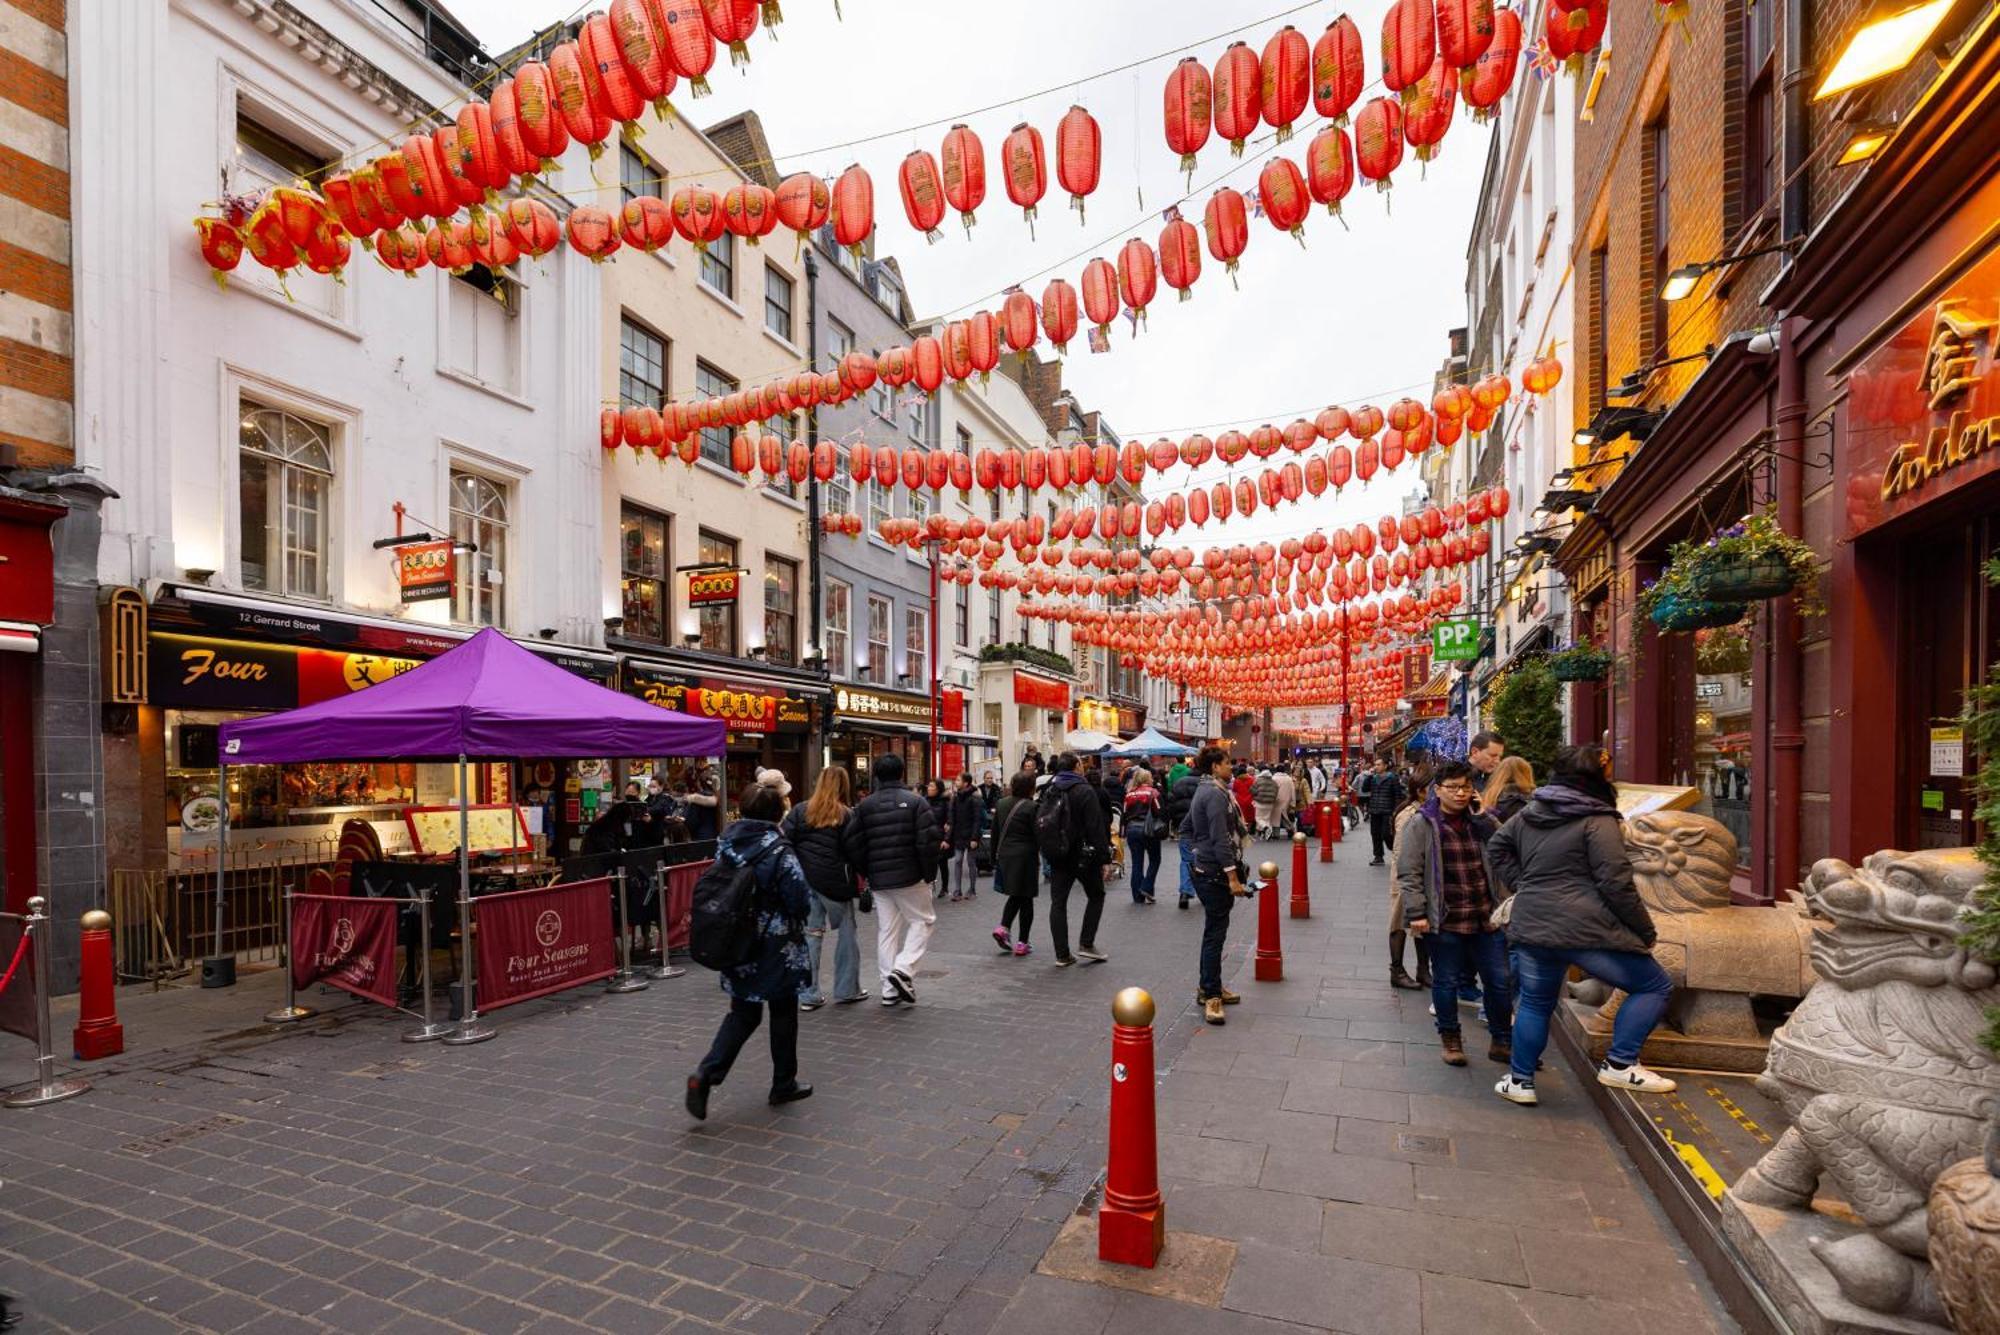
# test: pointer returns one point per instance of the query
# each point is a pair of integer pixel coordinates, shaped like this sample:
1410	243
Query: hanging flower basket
1720	651
1678	612
1582	662
1747	579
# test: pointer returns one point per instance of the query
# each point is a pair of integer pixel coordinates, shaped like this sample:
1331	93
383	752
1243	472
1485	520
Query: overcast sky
1358	315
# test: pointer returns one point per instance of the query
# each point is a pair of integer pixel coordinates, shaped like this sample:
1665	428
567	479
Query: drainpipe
812	483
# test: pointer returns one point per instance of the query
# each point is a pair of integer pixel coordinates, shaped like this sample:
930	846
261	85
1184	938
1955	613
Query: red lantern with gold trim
1059	313
957	344
642	40
690	45
1427	112
543	131
1226	220
1026	170
731	23
605	78
1079	156
1282	192
1100	293
586	124
1338	72
697	215
1340	465
749	210
1409	44
1286	83
927	357
1330	168
504	111
1180	256
610	428
964	166
1378	140
803	204
1138	276
1492	75
1464	32
853	209
1239	95
591	233
645	223
1019	322
923	193
982	342
1189	110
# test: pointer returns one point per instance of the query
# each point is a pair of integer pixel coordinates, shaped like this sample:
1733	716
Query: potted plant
1751	560
1675	604
1581	662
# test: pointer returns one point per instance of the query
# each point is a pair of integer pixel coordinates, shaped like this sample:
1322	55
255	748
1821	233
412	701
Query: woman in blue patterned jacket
780	968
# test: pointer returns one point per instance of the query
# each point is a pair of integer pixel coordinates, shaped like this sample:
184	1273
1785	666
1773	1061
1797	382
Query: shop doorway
1950	640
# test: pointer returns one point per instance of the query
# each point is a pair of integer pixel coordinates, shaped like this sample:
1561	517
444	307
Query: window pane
643	569
636	176
259	536
916	646
642	367
781	604
718	265
712	384
479	579
718	620
839	604
777	303
877	670
838	493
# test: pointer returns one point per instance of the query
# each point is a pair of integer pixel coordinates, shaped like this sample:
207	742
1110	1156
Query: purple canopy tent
486	699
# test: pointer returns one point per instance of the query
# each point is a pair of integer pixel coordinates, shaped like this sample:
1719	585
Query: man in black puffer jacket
1180	797
896	846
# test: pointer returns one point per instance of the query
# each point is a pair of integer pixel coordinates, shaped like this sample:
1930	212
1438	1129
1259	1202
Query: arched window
284	485
479	517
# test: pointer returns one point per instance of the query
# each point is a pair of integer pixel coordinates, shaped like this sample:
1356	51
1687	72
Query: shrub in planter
1709	583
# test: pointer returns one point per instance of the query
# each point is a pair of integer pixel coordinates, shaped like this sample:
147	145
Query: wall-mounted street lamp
1682	282
1883	45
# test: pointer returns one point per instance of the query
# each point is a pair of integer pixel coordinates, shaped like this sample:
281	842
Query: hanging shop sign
1434	707
744	709
1314	718
1095	716
881	706
424	571
1456	641
1924	409
713	586
196	672
1040	692
951	760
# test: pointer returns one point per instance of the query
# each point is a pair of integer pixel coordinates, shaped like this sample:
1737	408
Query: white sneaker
1516	1091
1635	1078
1432	1008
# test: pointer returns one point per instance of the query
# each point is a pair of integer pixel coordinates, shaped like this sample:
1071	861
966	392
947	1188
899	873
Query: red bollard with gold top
1330	820
1301	896
1132	1222
1270	955
98	1033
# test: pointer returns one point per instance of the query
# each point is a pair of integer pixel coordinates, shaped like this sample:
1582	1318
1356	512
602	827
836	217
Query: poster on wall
1948	752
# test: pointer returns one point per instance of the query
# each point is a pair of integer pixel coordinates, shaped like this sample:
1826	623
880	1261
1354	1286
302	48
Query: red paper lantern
923	193
915	467
750	211
825	459
957	343
1100	293
803	204
1051	466
1301	436
1018	321
1378	139
857	372
1266	440
1286	80
732	22
1542	375
690	44
1226	221
1162	454
1464	31
1427	112
479	149
587	125
861	463
698	215
605	79
591	233
982	342
853	209
610	428
1337	70
1138	276
1367	459
1189	102
1220	502
1231	447
1180	256
927	357
1330	167
543	132
1499	501
1239	95
1282	191
1492	75
1332	423
1573	34
645	223
1392	449
964	162
742	455
1079	154
1025	169
1059	313
1409	43
642	40
451	156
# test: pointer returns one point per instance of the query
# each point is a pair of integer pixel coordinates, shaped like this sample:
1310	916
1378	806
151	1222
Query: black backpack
1055	829
722	928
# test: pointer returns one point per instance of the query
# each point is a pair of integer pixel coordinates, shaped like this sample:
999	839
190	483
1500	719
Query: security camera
1763	343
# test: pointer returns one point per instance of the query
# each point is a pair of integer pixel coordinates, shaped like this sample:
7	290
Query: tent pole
469	1029
219	969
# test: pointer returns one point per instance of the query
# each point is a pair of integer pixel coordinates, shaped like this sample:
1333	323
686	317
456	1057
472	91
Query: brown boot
1500	1050
1454	1049
1399	977
1423	962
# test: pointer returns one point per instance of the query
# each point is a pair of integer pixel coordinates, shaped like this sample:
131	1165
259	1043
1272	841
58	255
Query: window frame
1659	210
1757	139
876	671
720	255
840	662
651	174
837	492
280	468
629	510
917	646
627	325
714	547
468	569
789	640
791	288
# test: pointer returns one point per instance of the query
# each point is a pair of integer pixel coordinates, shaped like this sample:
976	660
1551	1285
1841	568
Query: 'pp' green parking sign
1455	641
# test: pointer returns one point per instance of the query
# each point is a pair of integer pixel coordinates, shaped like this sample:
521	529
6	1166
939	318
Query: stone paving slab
550	1180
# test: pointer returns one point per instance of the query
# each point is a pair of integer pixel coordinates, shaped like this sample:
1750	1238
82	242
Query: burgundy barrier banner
680	901
345	941
534	942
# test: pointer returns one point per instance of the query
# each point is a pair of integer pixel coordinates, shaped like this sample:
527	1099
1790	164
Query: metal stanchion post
48	1088
469	1030
430	1028
666	967
291	1010
624	980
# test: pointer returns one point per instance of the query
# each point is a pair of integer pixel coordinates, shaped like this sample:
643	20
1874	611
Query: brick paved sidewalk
551	1180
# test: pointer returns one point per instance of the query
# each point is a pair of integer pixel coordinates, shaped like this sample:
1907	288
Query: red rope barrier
15	963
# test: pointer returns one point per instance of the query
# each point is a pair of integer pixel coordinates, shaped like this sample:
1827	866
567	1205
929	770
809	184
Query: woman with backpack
940	803
818	833
1017	862
772	967
1144	824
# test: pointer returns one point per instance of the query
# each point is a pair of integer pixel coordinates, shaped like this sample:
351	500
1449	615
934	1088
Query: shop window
637	175
916	646
1757	168
269	153
284	491
710	383
642	366
718	265
718	620
781	609
479	516
1720	729
778	288
876	669
644	562
839	623
484	330
837	492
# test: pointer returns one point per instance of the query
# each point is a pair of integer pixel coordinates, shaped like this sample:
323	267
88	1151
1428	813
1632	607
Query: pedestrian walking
1241	788
968	825
1441	867
1212	835
1288	796
776	970
820	833
940	804
1484	753
1264	797
1017	862
1508	789
1145	824
1382	793
1175	772
1180	797
1419	789
895	845
1574	904
1071	833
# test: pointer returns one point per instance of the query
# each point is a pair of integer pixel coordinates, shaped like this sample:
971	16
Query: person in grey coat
1574	903
1212	839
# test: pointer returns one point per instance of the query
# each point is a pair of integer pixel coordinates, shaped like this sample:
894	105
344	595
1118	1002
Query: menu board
1638	799
490	828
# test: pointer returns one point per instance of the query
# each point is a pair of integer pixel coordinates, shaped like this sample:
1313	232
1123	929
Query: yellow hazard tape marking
1737	1115
1697	1166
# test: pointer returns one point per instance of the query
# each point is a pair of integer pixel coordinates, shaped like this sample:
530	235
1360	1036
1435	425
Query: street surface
550	1179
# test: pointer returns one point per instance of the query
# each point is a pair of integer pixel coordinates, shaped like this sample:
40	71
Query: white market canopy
1153	742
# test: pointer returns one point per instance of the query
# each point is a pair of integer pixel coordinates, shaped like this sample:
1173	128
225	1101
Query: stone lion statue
1881	1071
1718	954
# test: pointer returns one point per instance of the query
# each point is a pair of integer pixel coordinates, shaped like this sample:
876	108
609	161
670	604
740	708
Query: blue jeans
1145	866
1645	984
1213	889
825	915
1455	956
1187	870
